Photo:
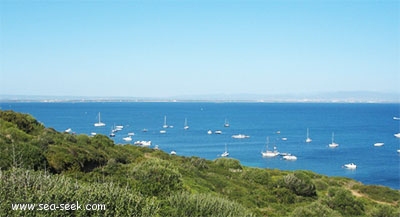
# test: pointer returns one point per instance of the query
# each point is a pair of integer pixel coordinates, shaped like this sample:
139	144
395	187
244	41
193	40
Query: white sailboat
333	144
99	124
308	139
350	166
185	126
226	124
226	153
268	153
165	122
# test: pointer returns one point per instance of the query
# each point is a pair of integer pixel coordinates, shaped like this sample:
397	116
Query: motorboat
351	166
379	144
209	132
397	135
127	139
163	131
218	132
143	143
173	153
289	157
240	136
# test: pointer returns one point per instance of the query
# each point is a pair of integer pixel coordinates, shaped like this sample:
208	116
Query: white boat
240	136
99	124
119	128
289	157
226	124
145	130
284	139
127	139
398	151
93	133
68	130
397	135
226	153
218	132
396	118
185	126
351	166
173	153
333	144
308	139
131	134
165	122
379	144
268	153
209	132
163	131
143	143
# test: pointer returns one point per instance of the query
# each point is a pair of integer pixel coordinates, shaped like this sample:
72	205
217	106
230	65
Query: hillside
41	165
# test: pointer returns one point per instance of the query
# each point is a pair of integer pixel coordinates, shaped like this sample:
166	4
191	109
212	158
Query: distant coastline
329	97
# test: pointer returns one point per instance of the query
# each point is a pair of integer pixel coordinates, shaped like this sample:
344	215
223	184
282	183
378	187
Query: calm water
356	126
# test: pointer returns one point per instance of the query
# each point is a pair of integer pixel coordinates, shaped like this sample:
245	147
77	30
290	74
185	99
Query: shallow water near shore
356	127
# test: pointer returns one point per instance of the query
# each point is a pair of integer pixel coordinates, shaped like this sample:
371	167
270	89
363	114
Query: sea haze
357	127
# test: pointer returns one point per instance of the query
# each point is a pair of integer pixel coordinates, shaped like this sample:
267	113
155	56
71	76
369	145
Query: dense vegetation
40	165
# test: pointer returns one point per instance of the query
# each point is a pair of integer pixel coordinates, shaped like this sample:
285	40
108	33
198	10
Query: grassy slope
174	185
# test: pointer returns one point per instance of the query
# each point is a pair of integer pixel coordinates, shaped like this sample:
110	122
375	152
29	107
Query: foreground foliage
41	165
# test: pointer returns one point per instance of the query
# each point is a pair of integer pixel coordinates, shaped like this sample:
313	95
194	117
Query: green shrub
157	177
344	202
300	184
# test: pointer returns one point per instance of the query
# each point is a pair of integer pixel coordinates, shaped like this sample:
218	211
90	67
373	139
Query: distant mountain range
340	96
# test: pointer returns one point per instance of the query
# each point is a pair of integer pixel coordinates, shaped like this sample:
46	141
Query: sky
176	47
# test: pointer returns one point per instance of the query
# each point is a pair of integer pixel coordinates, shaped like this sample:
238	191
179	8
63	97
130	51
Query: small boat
289	157
68	130
333	144
398	151
218	132
131	134
145	130
226	124
165	122
173	153
308	139
156	147
163	131
209	132
185	126
268	153
118	128
127	139
396	118
351	166
379	144
397	135
226	153
99	124
143	143
240	136
93	133
284	139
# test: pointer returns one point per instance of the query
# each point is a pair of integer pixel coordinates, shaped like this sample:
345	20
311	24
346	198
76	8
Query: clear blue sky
170	48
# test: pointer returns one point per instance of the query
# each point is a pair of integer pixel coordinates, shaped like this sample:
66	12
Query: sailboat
185	126
99	124
308	139
226	153
165	122
268	153
333	144
226	124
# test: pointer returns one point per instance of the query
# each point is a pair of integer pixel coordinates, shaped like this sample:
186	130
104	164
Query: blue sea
357	127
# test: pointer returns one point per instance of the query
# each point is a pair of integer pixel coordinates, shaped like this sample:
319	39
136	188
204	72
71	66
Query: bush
300	184
315	209
185	204
157	177
343	201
